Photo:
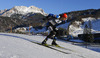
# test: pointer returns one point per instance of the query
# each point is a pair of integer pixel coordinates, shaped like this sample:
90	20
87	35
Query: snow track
20	46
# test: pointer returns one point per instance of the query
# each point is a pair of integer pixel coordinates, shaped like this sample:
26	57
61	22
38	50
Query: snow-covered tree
87	35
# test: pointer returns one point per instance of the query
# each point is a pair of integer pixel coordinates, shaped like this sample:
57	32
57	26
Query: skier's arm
63	22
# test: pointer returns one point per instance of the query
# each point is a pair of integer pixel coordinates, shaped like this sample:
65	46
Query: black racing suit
53	30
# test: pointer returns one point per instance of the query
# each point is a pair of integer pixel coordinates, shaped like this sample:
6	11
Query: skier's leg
54	39
44	41
49	36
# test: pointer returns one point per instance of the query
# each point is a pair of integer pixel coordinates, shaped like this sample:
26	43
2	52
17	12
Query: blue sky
53	6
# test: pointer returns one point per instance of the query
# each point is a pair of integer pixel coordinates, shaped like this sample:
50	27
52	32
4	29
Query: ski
61	47
49	46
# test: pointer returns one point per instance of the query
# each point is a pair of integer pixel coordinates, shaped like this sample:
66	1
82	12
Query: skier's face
63	18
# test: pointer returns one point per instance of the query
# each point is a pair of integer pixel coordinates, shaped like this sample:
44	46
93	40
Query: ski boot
44	42
54	44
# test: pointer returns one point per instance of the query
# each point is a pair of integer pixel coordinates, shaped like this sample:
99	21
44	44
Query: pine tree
91	36
87	35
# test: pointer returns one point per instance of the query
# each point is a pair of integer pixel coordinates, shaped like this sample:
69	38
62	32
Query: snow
96	25
79	30
88	18
19	46
22	10
75	30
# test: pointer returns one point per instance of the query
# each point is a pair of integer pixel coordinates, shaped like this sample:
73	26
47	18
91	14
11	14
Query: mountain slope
19	46
7	22
33	16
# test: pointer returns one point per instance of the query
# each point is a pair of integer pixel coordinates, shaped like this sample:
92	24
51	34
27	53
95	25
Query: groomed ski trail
27	39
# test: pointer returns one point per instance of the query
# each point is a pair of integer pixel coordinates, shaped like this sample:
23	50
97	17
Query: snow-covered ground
94	22
94	47
19	46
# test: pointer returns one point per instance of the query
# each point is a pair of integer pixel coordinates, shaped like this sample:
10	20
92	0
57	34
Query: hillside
17	17
78	15
7	22
19	46
77	20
